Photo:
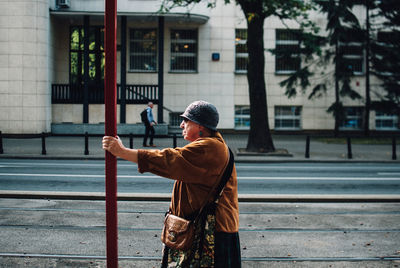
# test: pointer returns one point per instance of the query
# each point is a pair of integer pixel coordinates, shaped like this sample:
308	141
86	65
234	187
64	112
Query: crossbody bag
178	233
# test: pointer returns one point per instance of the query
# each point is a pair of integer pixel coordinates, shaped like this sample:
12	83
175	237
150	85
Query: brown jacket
195	168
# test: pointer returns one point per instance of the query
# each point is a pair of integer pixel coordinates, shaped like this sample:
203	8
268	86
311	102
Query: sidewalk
289	148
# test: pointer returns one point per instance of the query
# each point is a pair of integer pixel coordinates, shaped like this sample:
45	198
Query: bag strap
221	185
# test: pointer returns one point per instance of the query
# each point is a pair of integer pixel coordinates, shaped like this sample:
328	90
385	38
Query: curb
238	159
251	198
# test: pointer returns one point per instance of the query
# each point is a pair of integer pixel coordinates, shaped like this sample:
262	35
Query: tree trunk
367	81
259	139
337	99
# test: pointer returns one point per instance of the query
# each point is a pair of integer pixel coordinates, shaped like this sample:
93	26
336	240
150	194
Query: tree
386	57
342	28
260	139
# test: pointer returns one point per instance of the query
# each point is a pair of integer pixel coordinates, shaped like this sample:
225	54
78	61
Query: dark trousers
149	132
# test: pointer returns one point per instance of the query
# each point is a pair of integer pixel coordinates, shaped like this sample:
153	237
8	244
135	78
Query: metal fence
74	94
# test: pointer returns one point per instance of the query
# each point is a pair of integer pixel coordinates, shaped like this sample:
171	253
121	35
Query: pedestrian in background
149	125
196	168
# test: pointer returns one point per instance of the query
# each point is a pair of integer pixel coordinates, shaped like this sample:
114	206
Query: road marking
239	178
320	178
76	175
317	167
10	165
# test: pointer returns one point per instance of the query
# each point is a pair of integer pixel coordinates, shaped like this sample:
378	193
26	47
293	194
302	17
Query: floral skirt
210	248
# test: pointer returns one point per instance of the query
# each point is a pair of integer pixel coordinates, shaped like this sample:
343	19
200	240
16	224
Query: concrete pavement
71	233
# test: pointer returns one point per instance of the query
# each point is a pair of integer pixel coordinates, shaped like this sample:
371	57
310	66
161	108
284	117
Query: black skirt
227	250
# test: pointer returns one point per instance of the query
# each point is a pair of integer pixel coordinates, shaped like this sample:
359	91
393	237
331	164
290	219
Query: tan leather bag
178	233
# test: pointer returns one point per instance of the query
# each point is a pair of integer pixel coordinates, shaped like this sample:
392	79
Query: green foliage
294	81
337	109
386	57
318	91
342	27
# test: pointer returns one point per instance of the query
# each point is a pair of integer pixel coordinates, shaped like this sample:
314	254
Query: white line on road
320	178
316	167
239	178
76	175
11	165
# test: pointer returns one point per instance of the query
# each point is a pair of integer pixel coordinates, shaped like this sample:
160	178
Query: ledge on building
122	129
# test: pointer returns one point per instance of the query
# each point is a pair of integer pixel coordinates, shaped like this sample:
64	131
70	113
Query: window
287	58
175	119
241	54
143	50
384	121
353	118
353	53
382	51
287	117
183	50
96	55
242	117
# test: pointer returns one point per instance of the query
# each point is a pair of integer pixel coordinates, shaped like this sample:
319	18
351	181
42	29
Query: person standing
195	168
149	125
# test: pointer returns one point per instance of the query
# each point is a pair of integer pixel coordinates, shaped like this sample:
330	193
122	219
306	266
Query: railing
74	94
86	136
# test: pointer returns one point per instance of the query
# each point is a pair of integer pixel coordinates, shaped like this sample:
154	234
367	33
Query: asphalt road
261	178
71	233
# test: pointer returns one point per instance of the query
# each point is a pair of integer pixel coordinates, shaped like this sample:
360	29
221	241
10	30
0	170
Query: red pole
110	89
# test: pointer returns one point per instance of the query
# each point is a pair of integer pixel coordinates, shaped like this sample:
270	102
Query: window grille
96	54
287	117
143	50
386	42
242	117
241	53
174	119
353	54
287	58
384	121
183	51
353	118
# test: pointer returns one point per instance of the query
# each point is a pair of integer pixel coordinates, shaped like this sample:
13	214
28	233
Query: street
71	233
253	178
46	232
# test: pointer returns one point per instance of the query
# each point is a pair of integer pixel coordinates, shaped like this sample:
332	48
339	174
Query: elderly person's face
191	130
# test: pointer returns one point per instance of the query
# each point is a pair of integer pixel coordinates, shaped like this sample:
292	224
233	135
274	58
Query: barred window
353	118
241	54
183	50
287	58
386	42
242	117
175	119
143	50
353	54
96	54
385	121
287	117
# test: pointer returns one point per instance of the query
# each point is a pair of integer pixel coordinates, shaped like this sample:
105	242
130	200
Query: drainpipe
123	71
160	110
86	22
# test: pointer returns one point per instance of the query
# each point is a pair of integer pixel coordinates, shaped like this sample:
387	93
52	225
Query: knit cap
202	113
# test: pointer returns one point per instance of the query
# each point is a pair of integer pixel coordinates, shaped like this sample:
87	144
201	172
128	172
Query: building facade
52	68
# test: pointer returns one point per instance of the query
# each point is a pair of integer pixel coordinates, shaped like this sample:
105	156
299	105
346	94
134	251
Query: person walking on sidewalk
149	125
196	168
